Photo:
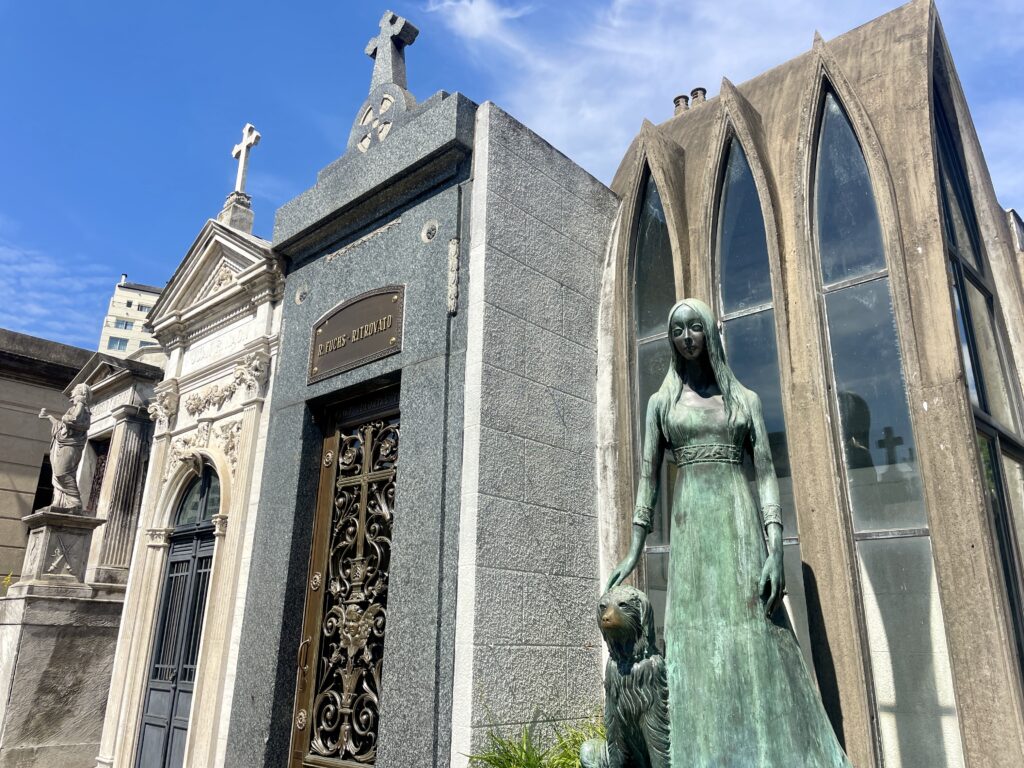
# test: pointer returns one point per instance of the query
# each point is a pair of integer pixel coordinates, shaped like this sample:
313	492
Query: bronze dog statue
635	687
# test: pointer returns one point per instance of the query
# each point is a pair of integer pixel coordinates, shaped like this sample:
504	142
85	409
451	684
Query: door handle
302	656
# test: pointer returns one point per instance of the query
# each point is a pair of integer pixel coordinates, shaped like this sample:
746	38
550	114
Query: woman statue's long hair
733	393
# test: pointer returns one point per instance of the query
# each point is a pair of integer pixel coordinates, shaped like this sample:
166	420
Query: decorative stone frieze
250	375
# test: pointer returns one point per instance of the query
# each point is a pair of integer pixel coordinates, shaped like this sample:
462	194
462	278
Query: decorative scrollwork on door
344	716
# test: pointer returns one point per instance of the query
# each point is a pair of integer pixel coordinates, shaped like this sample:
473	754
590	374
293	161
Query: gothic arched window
913	692
987	368
653	296
746	306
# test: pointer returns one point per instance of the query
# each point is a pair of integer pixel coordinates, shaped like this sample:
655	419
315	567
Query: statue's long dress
740	695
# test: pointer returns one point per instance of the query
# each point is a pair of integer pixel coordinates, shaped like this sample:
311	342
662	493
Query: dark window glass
212	506
849	234
956	222
753	356
653	359
973	386
742	245
191	504
654	289
201	500
1005	529
885	489
997	394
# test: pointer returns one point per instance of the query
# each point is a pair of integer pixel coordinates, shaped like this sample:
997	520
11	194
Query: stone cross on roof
250	138
388	50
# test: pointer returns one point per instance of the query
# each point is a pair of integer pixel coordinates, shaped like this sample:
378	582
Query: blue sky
115	145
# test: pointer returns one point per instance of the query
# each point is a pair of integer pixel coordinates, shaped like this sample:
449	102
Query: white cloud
270	187
584	76
999	128
59	299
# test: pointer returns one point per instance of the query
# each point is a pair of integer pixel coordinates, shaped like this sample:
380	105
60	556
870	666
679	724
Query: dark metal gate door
172	674
336	713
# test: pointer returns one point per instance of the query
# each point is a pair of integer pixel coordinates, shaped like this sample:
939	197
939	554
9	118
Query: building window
175	653
143	308
987	369
746	307
128	303
117	344
913	692
124	325
147	343
653	296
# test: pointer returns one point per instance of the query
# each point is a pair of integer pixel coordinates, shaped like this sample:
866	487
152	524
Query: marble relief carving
228	435
250	375
164	407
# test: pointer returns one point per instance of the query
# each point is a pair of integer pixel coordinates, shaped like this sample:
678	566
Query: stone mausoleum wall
527	645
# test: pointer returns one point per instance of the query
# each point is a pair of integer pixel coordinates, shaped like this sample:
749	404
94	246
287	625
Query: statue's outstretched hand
622	571
43	414
772	585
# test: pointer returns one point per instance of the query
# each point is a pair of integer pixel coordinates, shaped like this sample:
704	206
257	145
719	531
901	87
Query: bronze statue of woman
739	693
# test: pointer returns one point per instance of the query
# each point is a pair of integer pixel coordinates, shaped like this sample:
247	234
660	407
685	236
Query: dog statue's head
627	623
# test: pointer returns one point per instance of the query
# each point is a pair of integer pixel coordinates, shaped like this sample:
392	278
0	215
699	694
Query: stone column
213	695
120	725
120	496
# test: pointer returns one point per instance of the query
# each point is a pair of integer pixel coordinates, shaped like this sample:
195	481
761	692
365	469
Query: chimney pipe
124	278
697	95
682	102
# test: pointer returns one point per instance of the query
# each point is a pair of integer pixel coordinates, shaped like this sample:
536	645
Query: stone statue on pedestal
69	436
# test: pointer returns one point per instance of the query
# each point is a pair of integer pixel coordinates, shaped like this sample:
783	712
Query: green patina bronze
739	693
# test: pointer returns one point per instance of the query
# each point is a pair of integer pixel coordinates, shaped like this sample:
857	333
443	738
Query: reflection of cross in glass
889	442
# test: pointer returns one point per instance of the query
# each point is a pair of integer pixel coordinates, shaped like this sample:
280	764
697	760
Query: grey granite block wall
363	226
527	645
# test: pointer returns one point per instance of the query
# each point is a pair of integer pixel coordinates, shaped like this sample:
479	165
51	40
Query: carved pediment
223	270
102	370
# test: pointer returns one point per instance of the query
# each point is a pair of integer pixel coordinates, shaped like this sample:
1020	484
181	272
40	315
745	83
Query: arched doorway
172	668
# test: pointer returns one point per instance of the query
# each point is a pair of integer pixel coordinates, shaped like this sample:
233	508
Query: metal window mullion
959	285
851	282
1007	549
747	311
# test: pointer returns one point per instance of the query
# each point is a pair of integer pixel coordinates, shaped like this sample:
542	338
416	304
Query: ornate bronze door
339	665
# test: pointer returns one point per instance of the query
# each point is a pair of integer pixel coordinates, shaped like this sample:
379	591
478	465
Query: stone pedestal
56	554
57	639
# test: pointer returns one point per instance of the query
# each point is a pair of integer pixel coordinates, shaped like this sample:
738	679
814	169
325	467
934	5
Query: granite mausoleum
364	513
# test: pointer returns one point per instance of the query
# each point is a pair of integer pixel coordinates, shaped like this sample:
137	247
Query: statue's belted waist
707	453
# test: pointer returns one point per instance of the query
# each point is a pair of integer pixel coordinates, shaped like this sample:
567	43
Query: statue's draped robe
69	436
739	693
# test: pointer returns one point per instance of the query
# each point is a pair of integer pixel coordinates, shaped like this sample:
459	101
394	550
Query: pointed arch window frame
997	442
638	406
864	538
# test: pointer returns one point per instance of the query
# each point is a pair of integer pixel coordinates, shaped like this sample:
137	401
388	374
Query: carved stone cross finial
388	50
250	138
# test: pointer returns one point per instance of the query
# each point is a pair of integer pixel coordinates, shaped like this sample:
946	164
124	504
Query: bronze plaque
357	332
